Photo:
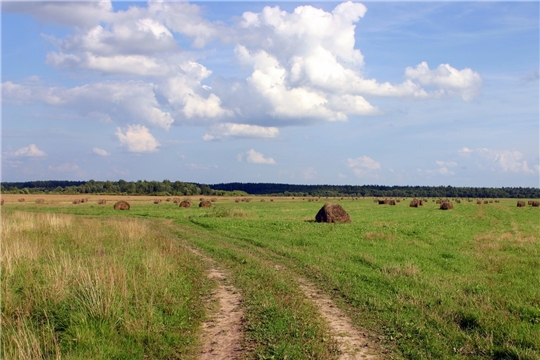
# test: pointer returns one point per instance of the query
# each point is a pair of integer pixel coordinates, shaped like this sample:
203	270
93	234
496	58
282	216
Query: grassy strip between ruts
95	288
280	322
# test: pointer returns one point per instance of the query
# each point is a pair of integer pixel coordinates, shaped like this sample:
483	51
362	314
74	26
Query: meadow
422	283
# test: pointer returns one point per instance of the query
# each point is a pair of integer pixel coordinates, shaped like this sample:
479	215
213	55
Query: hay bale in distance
332	213
21	200
213	199
102	202
157	201
205	203
76	201
185	204
414	203
40	201
521	204
2	202
535	204
122	205
446	205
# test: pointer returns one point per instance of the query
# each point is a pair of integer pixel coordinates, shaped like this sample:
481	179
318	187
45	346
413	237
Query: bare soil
222	332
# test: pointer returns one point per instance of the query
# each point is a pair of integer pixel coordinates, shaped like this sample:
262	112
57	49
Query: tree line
179	188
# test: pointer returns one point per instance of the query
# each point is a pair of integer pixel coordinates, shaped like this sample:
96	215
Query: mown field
421	282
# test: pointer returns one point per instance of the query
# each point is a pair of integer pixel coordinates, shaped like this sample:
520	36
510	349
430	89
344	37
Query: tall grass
96	288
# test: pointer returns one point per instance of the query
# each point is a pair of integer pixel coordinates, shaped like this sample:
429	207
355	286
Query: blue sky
397	93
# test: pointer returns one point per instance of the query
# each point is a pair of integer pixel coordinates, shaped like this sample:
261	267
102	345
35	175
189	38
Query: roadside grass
427	283
97	288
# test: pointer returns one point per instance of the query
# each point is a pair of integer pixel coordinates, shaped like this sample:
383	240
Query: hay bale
262	200
2	202
168	199
21	200
382	202
332	213
414	203
536	204
478	202
521	204
391	202
122	205
157	201
486	202
201	199
213	199
40	201
529	202
446	205
185	204
102	202
76	201
205	203
497	201
176	200
236	200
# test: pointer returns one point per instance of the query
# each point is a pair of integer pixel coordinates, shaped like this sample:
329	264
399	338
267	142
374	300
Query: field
86	281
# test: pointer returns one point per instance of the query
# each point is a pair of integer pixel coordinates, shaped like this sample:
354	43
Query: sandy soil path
222	334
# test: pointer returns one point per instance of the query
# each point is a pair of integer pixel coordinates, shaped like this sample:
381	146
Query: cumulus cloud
448	80
137	139
100	152
255	157
304	67
121	101
220	131
501	160
364	166
30	151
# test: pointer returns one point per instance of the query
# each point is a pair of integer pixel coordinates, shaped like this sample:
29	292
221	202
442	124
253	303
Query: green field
422	282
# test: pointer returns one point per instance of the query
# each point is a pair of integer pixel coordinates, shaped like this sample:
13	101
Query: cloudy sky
400	93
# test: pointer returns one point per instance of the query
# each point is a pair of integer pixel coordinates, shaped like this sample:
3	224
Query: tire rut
222	332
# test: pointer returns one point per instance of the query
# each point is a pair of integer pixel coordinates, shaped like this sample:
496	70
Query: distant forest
179	188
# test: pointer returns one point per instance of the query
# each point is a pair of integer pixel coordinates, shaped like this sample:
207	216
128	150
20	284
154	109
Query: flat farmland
416	283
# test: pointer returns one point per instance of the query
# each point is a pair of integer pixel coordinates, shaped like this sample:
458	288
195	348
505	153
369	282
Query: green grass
425	283
94	288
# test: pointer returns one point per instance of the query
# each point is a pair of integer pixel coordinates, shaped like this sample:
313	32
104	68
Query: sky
344	93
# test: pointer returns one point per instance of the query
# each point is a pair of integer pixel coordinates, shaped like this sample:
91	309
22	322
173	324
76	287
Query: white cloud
501	160
121	101
68	168
309	173
220	131
364	162
31	151
304	67
364	166
464	83
137	139
255	157
100	152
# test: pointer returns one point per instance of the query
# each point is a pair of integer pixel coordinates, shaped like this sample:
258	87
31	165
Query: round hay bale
168	200
391	202
521	204
414	203
262	200
236	200
2	202
382	202
535	204
201	199
40	201
529	202
213	199
185	204
102	202
332	213
486	202
21	200
176	200
205	203
446	205
157	201
478	202
122	205
76	201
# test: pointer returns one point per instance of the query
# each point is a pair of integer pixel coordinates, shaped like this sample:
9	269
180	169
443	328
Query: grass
424	283
81	288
